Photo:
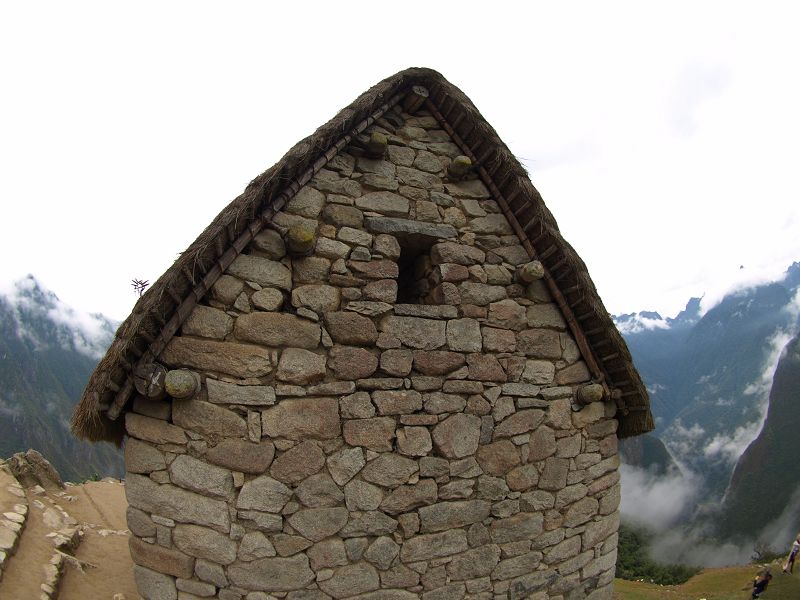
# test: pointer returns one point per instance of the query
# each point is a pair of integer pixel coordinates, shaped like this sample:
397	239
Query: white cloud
656	502
73	329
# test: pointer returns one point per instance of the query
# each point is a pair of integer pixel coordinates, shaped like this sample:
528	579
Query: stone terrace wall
342	445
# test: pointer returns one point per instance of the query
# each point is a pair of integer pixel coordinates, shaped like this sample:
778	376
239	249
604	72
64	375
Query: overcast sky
665	139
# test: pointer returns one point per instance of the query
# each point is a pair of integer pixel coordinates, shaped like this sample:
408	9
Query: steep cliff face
47	351
768	473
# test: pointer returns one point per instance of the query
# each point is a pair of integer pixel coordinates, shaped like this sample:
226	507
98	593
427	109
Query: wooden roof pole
569	315
237	247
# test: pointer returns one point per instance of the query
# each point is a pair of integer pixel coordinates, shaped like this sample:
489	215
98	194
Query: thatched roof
159	313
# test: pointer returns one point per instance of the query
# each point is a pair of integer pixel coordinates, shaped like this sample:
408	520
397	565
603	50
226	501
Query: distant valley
710	378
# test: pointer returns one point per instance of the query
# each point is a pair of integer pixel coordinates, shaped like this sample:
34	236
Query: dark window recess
412	283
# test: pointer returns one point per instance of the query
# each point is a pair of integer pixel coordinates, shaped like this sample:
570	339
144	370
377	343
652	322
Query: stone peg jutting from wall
379	374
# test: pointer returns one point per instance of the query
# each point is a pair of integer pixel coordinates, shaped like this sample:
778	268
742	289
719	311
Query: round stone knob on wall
181	383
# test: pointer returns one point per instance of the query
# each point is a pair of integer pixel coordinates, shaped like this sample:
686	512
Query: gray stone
413	332
438	403
350	362
498	458
255	545
375	434
507	314
211	572
369	523
240	455
201	477
202	542
580	512
327	554
164	560
546	315
360	495
352	579
142	458
227	289
554	474
343	216
300	366
413	230
317	297
387	246
270	243
389	470
139	523
267	299
272	574
464	335
520	422
473	188
382	552
436	545
408	497
286	545
316	524
175	503
297	463
300	418
344	465
457	489
351	329
310	269
492	224
205	321
522	526
457	436
263	494
539	343
385	203
355	237
459	254
308	202
517	566
208	419
478	562
332	249
480	294
414	441
397	402
522	478
542	444
450	515
429	311
196	588
153	430
319	491
539	372
153	585
265	272
277	329
238	360
220	392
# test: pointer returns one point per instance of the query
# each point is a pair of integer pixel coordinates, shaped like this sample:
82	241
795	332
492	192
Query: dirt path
24	572
101	507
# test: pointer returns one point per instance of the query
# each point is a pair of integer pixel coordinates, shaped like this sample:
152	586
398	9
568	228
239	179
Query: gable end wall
343	445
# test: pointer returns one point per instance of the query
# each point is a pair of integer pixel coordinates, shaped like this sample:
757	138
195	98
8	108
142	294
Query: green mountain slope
47	352
768	473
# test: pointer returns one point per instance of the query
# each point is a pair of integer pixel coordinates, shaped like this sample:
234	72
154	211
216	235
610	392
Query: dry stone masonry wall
344	445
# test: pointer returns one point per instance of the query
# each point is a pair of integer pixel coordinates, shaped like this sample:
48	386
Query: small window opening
413	281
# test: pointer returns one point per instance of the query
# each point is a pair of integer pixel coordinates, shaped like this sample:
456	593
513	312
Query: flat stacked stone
373	420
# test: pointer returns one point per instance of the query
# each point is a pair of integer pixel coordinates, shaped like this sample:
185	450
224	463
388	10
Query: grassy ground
714	584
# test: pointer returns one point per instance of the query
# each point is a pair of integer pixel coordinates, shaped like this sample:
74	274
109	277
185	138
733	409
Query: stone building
380	373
